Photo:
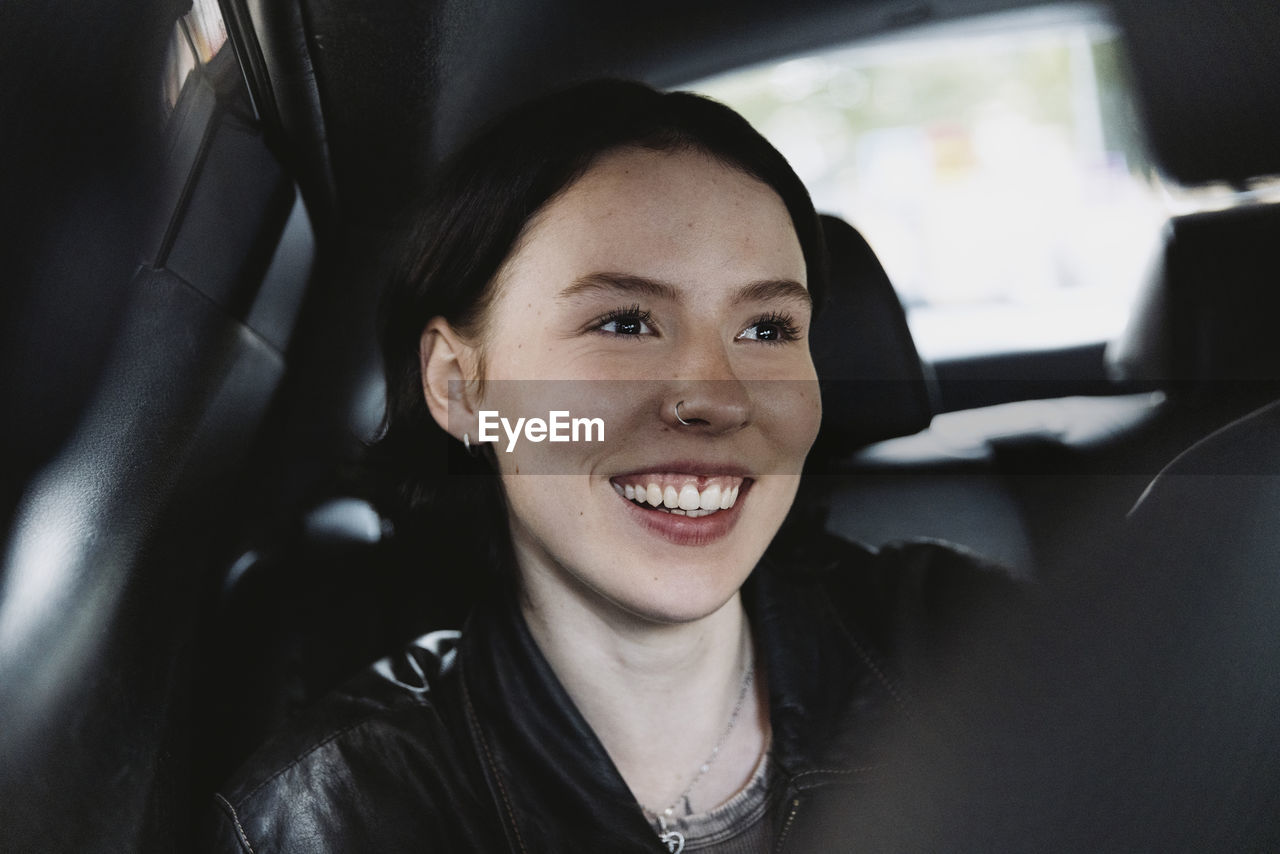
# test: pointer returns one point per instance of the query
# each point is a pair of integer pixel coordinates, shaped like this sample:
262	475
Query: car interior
203	201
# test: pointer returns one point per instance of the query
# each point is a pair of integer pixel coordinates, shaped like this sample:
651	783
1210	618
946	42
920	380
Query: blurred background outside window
996	167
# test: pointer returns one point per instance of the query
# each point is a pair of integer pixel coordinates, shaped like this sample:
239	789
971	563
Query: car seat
1022	483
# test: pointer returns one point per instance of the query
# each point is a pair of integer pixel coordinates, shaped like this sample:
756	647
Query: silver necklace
674	839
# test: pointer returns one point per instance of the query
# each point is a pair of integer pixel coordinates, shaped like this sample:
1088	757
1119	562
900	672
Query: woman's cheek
790	413
811	405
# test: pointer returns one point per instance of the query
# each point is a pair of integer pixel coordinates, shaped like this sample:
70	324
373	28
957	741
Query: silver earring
678	418
466	441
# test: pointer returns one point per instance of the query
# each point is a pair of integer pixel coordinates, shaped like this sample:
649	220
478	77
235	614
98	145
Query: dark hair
470	220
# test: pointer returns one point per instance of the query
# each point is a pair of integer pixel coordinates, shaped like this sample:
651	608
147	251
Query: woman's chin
668	600
675	571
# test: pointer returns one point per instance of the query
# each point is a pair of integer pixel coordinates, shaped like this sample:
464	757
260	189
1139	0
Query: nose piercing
678	418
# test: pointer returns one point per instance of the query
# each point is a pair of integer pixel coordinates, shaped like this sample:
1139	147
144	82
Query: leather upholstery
113	541
1211	309
1135	704
1185	700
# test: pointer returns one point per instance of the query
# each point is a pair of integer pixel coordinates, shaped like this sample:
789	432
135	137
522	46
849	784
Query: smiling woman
637	675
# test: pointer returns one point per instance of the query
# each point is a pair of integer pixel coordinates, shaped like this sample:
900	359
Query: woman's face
657	278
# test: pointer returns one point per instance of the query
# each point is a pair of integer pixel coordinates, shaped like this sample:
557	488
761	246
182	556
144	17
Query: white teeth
710	499
687	501
689	498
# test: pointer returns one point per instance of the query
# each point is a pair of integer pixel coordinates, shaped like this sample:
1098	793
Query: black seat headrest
1212	309
874	385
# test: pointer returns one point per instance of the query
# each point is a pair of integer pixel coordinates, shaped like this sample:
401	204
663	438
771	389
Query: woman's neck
659	696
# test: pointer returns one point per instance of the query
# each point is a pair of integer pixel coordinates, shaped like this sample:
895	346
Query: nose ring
678	418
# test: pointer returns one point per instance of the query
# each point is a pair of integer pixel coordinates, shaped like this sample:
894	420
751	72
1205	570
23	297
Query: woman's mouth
682	508
680	494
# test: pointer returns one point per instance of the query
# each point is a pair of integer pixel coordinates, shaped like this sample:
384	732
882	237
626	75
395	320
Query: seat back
113	541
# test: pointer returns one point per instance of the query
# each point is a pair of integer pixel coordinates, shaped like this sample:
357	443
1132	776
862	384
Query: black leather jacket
469	743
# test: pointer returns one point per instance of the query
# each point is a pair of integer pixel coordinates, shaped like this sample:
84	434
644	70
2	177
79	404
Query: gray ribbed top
735	827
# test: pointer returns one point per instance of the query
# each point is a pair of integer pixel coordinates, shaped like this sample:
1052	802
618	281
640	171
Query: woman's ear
446	362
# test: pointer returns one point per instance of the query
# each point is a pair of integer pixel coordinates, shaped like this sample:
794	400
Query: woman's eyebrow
770	290
624	282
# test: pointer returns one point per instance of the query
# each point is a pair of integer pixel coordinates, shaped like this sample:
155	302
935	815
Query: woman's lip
684	530
688	467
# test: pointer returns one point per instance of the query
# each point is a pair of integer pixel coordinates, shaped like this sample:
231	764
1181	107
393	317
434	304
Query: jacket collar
552	779
828	691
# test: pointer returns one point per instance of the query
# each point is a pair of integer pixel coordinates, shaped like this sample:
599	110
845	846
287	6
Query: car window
197	37
996	167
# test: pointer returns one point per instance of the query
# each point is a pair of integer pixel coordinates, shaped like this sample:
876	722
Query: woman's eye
626	326
770	329
628	322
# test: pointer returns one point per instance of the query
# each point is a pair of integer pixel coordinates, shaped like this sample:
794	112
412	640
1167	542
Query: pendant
673	839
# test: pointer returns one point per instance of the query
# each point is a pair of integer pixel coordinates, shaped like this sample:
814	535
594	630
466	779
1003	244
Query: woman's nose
708	406
707	395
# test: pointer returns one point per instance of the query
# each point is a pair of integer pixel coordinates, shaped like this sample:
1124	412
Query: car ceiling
372	97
